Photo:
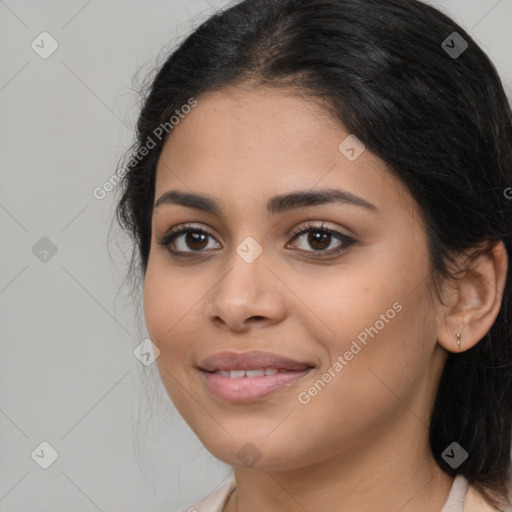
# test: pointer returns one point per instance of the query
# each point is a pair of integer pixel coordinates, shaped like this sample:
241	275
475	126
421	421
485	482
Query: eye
320	237
189	236
195	239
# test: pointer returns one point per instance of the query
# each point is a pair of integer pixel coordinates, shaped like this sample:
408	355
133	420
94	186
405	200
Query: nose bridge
246	289
246	269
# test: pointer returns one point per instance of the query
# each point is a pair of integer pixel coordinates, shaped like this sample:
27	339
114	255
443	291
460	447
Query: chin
255	454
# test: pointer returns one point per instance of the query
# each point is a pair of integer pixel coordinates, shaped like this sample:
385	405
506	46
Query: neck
377	475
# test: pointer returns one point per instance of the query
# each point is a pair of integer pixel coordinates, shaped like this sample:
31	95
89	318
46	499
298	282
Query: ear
472	303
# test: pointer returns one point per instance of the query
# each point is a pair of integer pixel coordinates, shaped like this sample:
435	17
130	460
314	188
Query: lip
250	389
251	360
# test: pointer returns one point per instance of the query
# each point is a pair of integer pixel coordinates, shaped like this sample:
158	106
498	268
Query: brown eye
320	238
186	239
196	240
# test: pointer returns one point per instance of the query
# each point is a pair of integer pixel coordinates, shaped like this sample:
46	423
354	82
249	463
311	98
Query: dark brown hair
441	122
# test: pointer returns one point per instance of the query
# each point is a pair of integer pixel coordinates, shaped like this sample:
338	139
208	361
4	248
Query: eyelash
173	233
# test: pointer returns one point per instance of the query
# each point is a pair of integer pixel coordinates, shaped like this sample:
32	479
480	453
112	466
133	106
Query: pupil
194	238
318	236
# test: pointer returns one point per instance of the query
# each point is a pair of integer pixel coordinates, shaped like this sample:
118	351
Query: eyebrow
275	205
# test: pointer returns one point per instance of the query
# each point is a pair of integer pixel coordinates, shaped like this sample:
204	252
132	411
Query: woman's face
359	322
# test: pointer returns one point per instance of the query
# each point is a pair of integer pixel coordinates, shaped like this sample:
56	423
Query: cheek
168	298
168	303
174	315
345	303
368	388
156	303
377	318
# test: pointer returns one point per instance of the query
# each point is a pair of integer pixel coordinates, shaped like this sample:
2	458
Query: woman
318	200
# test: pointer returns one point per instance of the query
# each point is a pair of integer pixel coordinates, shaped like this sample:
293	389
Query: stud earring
458	340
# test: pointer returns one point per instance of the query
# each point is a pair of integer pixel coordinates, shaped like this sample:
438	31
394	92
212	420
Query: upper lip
251	360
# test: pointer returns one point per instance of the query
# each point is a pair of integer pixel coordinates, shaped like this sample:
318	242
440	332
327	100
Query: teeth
236	374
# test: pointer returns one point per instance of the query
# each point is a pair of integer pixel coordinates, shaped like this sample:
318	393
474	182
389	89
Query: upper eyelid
302	228
345	242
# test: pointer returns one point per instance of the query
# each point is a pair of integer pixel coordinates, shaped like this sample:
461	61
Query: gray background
68	373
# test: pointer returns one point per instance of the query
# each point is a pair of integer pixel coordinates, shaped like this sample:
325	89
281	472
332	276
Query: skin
362	442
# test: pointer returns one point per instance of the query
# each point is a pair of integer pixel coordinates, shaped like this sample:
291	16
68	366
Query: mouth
238	374
250	376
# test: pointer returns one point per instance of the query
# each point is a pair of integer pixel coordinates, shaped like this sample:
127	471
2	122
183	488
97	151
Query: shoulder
476	503
215	501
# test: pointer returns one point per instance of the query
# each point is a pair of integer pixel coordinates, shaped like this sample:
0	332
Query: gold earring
458	340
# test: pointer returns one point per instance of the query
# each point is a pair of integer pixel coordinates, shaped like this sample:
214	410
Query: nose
247	294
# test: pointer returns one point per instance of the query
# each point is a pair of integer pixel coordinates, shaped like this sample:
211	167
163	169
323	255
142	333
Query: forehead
257	142
251	122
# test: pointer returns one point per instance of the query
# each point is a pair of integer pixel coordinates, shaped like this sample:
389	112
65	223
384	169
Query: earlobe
475	301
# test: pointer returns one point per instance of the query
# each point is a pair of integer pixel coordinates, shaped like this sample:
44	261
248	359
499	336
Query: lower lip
250	389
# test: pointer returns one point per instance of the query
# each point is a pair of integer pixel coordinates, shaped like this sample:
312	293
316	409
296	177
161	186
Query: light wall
68	373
